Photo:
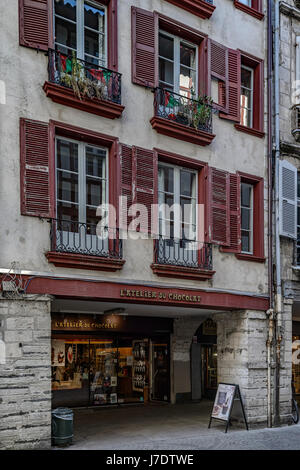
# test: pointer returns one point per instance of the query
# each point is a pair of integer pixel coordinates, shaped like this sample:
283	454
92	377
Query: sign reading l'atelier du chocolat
159	295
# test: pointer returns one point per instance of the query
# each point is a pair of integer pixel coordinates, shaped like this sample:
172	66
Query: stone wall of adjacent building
25	373
242	360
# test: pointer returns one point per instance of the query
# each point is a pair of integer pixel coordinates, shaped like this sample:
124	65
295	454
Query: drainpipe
278	296
270	312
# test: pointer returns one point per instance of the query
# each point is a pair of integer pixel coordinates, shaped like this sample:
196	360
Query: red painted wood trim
109	291
255	12
112	21
246	257
181	132
181	272
176	159
180	29
78	261
197	7
65	96
249	130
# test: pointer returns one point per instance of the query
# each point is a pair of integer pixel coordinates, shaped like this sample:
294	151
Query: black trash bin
62	427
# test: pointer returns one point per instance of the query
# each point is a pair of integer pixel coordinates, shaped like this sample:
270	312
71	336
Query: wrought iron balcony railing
185	253
193	113
68	236
85	78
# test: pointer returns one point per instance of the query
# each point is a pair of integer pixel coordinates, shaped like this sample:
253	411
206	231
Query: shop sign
159	295
209	328
108	323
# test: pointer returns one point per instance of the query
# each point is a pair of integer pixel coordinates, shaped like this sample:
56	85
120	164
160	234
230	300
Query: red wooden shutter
145	185
235	215
34	20
37	190
234	86
113	35
218	68
126	184
219	207
144	33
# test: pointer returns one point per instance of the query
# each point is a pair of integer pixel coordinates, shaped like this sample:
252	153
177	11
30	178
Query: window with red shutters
144	32
126	184
235	215
219	199
37	181
34	23
233	86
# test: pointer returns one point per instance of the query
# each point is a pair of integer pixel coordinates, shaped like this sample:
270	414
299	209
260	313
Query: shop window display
95	371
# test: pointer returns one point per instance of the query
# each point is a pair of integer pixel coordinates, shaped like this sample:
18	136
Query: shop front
109	359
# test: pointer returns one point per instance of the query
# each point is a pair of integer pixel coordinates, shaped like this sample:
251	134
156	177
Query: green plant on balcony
74	76
200	110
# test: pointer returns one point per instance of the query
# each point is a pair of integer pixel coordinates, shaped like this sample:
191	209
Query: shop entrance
207	337
98	368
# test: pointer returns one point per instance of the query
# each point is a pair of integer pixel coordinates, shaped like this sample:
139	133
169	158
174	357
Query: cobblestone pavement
172	427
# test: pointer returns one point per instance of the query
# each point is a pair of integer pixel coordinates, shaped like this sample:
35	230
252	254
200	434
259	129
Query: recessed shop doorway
207	340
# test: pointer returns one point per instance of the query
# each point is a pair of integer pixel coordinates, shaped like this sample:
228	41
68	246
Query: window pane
92	45
94	191
246	98
246	78
66	8
187	56
95	162
245	195
246	117
187	183
246	241
187	80
166	47
246	219
94	18
166	73
65	33
67	155
91	220
166	179
67	186
188	210
67	211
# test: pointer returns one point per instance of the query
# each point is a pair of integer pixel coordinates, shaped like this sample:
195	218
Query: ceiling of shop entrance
83	306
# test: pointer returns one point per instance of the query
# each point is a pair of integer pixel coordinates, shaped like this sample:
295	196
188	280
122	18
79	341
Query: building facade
139	105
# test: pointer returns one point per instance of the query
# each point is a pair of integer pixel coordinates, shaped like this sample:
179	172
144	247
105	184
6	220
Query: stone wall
242	359
25	374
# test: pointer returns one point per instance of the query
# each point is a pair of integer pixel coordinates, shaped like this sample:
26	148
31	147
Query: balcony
83	246
182	258
182	118
202	8
83	85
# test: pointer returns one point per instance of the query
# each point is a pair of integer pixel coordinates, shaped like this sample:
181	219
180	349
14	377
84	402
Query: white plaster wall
24	71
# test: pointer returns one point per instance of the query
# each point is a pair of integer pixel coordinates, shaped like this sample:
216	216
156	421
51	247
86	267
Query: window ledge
246	257
181	132
181	272
63	95
199	8
79	261
251	11
249	130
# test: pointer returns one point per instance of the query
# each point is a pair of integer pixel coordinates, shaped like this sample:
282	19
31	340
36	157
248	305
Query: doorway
209	360
160	371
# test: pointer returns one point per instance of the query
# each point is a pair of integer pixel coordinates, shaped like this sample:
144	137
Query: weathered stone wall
25	375
242	359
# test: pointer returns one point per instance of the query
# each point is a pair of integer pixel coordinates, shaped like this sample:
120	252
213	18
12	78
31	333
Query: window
177	65
81	27
81	181
251	96
177	187
246	112
247	217
246	2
